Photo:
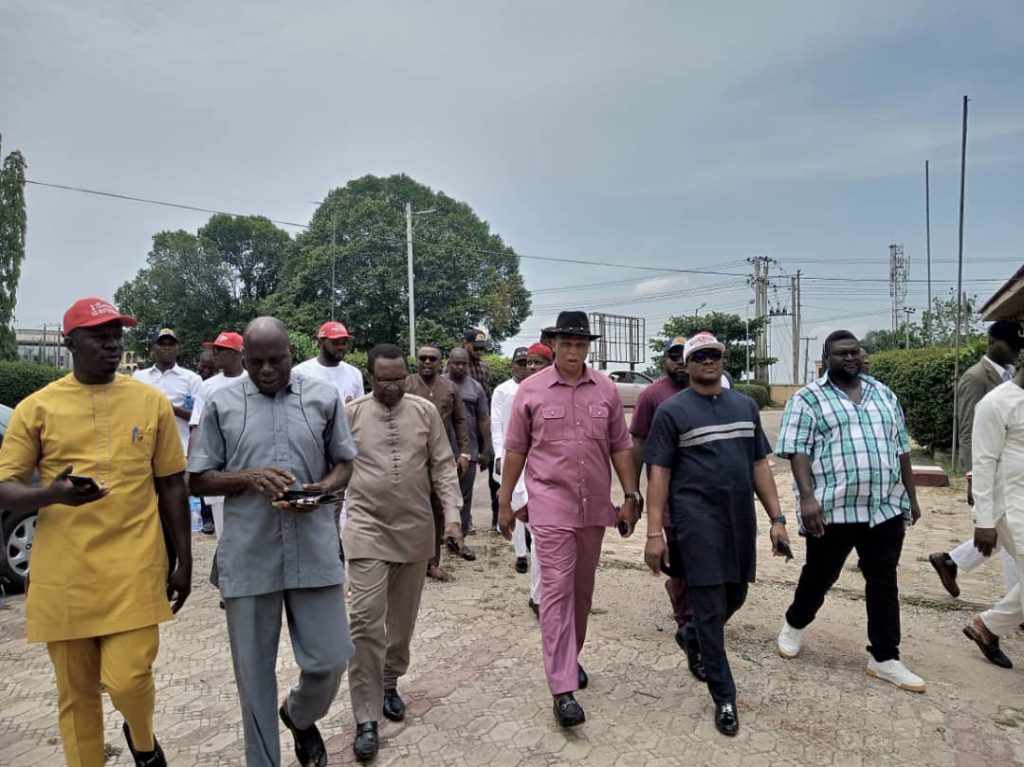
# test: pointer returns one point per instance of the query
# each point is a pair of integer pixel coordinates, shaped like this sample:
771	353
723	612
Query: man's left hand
915	512
985	540
629	514
454	530
778	533
179	585
484	460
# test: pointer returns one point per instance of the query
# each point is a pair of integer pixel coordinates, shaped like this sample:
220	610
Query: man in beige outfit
404	454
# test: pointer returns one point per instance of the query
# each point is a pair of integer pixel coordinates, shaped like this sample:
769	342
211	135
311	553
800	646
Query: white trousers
967	558
217	507
1008	612
519	539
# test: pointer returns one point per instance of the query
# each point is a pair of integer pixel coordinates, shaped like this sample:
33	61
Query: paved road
477	694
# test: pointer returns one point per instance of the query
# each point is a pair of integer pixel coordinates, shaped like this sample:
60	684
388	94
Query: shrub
923	379
501	368
19	379
757	392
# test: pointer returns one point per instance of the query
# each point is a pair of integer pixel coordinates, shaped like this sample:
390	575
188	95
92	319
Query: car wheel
18	531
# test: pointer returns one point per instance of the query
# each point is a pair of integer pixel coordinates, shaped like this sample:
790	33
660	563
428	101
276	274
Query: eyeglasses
427	358
703	356
518	362
675	356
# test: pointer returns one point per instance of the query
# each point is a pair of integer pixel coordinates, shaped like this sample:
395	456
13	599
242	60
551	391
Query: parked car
630	384
17	530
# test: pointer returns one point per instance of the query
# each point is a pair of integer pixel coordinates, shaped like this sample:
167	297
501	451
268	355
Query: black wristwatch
635	495
779	520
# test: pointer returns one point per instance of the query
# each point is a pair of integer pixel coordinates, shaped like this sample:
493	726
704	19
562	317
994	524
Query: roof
1007	303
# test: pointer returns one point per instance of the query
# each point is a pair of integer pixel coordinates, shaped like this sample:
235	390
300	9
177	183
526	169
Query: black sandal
309	745
154	758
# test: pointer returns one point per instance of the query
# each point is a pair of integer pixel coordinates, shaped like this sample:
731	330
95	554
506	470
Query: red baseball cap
332	330
226	340
87	312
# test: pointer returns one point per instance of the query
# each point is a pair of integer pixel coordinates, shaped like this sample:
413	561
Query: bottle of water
196	510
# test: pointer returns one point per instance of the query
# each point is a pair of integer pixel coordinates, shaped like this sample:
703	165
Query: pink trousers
568	558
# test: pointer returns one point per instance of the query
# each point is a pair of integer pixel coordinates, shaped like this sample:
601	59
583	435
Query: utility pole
409	213
807	354
794	288
959	280
928	249
759	282
412	282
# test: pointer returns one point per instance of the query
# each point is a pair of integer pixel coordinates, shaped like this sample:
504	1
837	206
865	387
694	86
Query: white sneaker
790	640
894	671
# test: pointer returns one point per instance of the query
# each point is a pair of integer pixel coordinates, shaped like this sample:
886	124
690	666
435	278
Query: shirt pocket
553	424
597	422
139	446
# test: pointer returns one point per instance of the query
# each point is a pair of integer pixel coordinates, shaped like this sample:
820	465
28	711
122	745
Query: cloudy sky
661	134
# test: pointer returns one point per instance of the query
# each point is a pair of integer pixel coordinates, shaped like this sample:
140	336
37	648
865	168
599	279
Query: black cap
519	354
476	337
1010	331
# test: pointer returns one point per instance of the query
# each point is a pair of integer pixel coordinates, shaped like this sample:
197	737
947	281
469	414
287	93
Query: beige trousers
384	602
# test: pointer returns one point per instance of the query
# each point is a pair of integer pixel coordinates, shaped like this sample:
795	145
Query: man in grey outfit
271	433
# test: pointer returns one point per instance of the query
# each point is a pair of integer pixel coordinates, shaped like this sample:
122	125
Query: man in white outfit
998	465
329	365
1005	341
179	385
501	409
227	358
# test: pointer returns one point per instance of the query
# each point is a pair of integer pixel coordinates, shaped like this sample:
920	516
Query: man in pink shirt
569	420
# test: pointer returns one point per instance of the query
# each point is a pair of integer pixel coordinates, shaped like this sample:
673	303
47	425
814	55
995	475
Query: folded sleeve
22	447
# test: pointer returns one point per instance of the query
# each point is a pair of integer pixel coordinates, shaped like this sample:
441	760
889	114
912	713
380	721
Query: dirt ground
477	694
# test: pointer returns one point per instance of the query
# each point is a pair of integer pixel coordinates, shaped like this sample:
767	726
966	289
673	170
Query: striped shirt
854	450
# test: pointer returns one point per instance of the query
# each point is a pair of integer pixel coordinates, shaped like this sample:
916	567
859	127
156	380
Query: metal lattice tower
899	272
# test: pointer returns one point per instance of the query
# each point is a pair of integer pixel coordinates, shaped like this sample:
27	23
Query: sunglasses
711	354
427	358
675	356
518	362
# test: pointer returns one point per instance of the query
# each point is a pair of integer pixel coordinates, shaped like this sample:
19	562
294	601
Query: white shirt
997	449
347	379
176	383
501	411
1005	372
206	390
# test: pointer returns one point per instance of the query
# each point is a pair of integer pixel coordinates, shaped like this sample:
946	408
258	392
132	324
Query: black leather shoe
690	646
309	745
568	713
467	553
946	568
535	607
582	680
394	706
726	720
989	649
522	565
154	758
365	745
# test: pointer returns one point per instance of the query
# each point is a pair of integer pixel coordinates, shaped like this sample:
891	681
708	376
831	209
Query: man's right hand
269	481
655	552
63	492
463	464
506	520
985	540
812	516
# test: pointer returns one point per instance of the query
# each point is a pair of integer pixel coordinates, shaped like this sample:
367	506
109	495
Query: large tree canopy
464	274
200	284
730	329
13	225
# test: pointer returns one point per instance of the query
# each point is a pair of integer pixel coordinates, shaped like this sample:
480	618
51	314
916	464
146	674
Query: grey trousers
385	600
318	628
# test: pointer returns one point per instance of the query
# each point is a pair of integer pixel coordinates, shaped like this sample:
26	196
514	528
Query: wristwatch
779	520
635	495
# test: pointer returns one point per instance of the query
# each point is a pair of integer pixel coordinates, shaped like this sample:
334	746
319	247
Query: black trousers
466	482
493	485
879	550
712	607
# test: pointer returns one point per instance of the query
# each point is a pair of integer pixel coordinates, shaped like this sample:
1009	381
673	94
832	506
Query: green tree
13	226
730	329
182	288
464	274
200	284
875	341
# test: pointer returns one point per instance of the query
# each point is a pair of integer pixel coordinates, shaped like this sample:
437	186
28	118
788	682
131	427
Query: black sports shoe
522	565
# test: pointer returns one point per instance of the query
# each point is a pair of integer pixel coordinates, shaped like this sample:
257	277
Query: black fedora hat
571	324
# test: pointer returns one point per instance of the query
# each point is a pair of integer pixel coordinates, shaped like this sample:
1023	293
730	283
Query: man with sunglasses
674	381
429	384
708	456
847	443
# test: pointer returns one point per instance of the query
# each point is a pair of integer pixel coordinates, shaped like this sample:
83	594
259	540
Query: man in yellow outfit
99	583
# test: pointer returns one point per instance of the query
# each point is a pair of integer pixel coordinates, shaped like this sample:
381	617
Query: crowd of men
306	477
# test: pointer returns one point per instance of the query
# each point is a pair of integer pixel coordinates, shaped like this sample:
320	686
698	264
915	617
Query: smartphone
83	483
299	495
783	548
623	528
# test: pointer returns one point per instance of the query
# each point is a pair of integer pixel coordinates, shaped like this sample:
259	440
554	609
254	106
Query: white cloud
661	284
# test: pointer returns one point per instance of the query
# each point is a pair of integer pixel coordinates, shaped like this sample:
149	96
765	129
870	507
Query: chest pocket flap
553	423
598	425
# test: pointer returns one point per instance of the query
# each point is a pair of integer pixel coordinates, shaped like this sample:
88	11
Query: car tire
18	531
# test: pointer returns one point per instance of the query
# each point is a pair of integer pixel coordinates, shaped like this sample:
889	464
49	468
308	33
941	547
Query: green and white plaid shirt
854	450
